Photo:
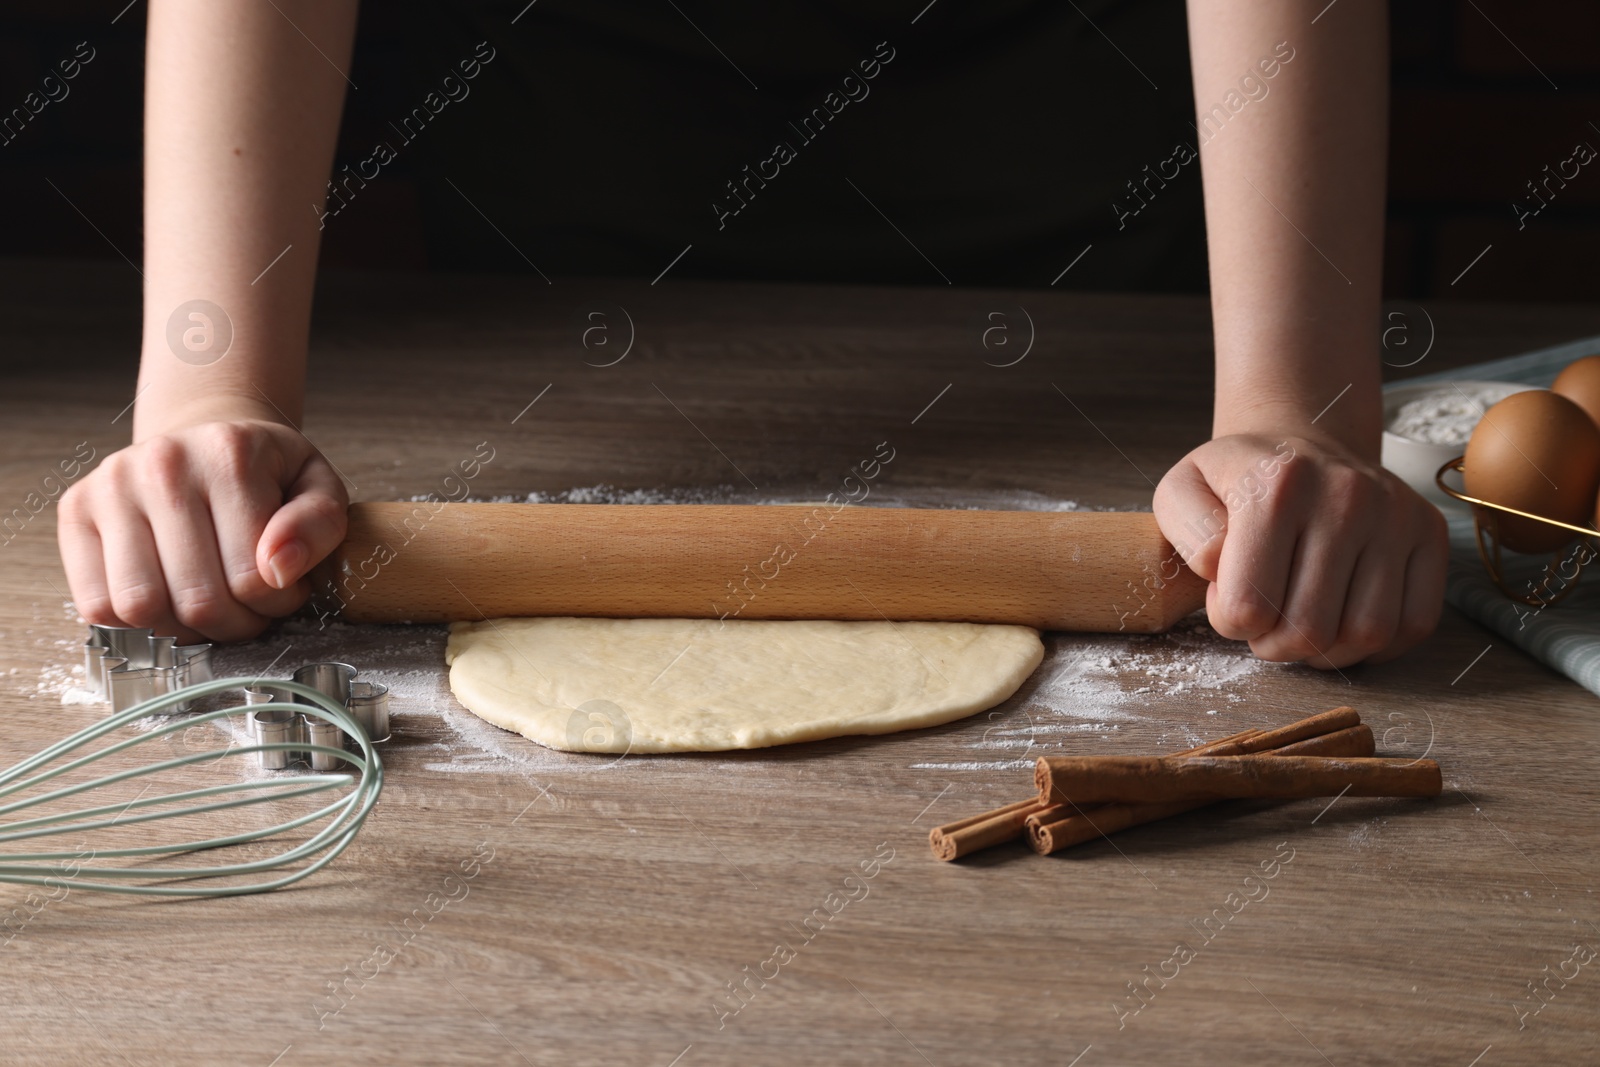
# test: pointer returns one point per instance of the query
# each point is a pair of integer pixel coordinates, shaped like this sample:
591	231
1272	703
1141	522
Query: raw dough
689	685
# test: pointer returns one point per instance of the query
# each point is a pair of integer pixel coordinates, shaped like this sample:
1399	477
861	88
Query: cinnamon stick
982	831
1227	746
1326	722
954	840
1163	779
1063	825
1342	718
973	820
1355	740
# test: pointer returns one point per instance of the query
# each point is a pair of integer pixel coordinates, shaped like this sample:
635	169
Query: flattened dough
689	685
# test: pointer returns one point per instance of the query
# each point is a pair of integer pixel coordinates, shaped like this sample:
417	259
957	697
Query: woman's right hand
204	532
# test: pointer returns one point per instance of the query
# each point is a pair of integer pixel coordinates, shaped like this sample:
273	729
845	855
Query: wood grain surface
614	904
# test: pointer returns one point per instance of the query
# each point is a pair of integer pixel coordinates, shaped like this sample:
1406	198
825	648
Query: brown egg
1537	452
1579	382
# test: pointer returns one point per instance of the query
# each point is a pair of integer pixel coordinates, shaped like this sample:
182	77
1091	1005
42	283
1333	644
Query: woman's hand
207	525
205	532
1313	553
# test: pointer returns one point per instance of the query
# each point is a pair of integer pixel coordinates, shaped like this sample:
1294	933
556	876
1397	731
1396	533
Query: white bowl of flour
1428	424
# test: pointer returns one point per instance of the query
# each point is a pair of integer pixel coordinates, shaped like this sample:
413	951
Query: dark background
996	141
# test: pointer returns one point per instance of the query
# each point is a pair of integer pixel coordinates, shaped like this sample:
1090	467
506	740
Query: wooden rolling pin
1087	571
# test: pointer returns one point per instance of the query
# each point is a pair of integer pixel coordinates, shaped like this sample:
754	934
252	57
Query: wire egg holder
1486	526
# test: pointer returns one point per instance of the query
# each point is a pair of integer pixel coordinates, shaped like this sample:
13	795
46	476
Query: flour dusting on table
1089	685
879	496
1095	684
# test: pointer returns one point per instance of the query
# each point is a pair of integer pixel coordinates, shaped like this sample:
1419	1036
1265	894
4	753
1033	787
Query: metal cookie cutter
127	665
367	702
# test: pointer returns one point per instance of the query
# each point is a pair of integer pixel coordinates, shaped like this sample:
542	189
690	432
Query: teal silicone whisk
82	868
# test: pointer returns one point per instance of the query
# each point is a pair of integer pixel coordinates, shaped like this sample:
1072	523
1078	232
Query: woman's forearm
1294	195
242	106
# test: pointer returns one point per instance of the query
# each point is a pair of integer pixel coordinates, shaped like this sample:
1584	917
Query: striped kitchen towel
1566	635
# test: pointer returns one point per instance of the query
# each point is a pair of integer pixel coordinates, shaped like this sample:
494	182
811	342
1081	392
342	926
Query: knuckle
1280	500
1257	618
1272	649
165	465
1242	616
1417	629
1394	492
245	585
73	509
140	603
1345	480
1288	480
1315	639
1348	498
96	609
1225	626
1305	639
107	477
232	449
1295	649
1366	636
200	608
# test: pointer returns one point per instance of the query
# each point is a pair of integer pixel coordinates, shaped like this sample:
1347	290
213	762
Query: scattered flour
977	765
62	680
58	682
1365	835
1088	684
425	721
1097	683
609	494
1005	500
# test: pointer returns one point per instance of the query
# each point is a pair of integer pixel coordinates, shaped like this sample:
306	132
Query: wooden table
623	900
